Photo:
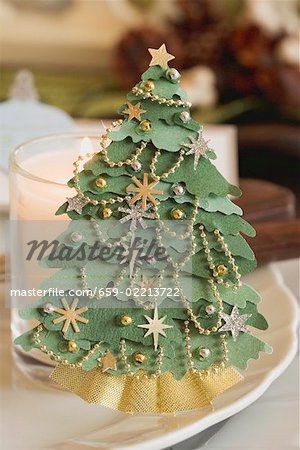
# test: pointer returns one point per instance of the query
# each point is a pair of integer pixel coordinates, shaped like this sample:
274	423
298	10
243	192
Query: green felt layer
199	264
203	181
102	315
55	342
213	182
171	115
105	323
228	225
248	347
236	245
162	135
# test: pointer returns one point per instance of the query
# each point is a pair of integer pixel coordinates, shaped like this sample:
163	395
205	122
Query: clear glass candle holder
39	172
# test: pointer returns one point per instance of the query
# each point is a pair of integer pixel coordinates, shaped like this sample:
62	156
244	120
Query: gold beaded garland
177	214
145	126
228	254
149	86
161	100
100	182
139	358
124	320
170	171
106	213
57	358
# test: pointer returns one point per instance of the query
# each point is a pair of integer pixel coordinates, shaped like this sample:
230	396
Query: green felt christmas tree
166	320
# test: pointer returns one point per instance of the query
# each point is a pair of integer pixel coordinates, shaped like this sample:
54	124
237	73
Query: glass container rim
26	174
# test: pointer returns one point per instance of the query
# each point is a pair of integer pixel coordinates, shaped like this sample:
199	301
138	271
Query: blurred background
240	57
239	61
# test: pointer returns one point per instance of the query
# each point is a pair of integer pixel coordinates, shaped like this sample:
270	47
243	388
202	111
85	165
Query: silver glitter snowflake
136	213
76	204
235	323
198	147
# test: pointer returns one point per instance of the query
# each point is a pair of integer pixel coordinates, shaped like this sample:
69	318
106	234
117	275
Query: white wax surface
37	200
223	140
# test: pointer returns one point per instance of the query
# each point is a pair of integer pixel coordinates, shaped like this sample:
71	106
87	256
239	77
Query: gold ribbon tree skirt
163	394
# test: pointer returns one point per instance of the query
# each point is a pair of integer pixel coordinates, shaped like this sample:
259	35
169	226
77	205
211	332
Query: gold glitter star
134	111
108	361
156	327
70	315
160	56
144	191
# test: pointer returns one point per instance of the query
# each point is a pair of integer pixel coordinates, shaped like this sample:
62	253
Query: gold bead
221	270
177	214
139	358
124	320
72	346
100	182
149	86
145	126
106	213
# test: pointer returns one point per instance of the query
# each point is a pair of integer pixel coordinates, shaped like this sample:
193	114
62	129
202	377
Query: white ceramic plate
118	431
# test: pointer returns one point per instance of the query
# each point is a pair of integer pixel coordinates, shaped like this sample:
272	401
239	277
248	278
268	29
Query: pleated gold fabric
163	394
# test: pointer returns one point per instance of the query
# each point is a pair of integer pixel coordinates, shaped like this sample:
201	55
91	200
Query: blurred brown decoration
248	49
255	67
203	28
131	57
251	47
281	85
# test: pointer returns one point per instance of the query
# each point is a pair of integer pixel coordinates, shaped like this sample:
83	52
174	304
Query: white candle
39	193
223	140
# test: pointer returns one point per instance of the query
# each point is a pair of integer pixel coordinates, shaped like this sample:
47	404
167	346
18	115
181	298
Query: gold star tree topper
70	315
144	191
134	111
156	327
160	57
108	361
